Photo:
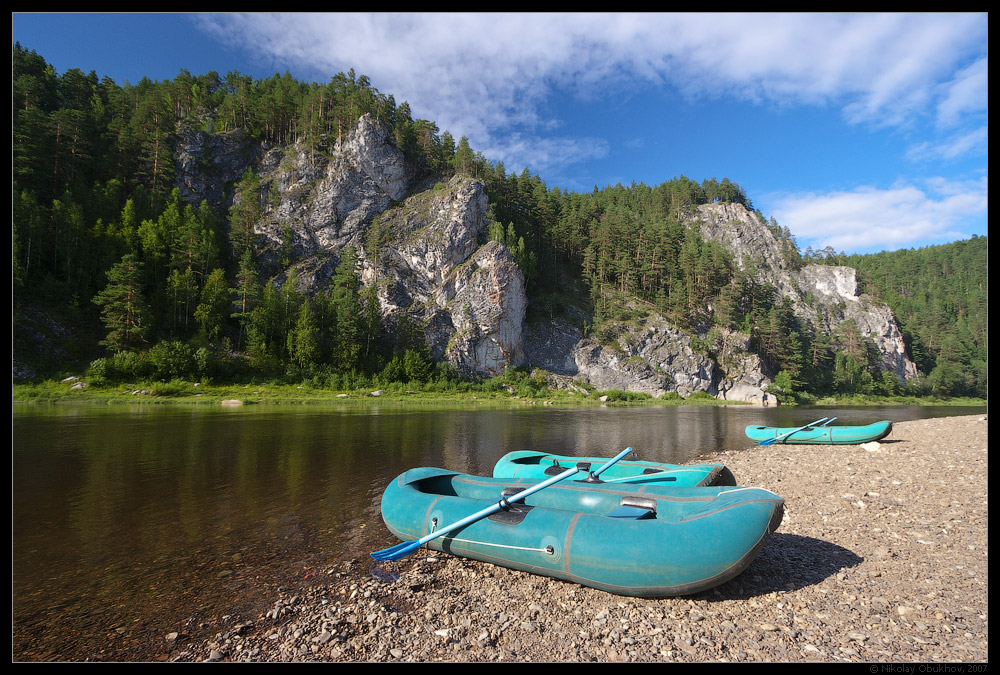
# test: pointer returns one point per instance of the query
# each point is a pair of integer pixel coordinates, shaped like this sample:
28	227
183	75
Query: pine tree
304	339
372	325
244	214
347	312
463	156
124	311
214	308
247	293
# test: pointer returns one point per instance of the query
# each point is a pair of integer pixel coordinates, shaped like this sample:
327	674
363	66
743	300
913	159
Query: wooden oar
407	547
769	441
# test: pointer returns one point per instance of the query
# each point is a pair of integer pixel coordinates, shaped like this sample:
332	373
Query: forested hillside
940	296
150	285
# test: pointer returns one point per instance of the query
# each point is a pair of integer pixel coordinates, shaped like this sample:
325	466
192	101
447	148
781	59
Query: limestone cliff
822	296
471	297
424	248
649	355
432	262
646	355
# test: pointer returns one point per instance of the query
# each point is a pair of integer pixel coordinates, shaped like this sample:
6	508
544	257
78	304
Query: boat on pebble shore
645	540
820	434
540	465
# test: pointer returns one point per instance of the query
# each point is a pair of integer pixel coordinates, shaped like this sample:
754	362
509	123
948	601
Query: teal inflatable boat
821	434
638	540
539	465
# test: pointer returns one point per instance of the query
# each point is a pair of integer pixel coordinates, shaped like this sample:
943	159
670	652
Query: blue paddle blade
396	552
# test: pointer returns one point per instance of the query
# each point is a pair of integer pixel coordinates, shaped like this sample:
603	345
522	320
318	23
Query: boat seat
556	469
635	508
513	514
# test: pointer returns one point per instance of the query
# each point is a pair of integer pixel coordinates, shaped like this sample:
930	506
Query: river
130	523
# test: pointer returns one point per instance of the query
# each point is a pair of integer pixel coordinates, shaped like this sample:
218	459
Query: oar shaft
771	441
520	496
621	455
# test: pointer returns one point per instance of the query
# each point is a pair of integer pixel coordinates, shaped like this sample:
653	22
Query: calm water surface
128	522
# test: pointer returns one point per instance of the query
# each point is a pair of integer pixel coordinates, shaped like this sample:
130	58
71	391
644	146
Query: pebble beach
881	558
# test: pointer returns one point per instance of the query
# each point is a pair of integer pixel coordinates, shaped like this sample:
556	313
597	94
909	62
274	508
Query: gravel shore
881	557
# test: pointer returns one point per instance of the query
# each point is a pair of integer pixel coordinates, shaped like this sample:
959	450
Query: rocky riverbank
882	557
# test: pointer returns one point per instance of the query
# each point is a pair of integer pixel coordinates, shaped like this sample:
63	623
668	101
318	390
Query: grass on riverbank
74	390
179	391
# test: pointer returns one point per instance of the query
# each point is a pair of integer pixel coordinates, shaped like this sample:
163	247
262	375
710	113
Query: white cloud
868	219
481	75
543	154
963	144
966	93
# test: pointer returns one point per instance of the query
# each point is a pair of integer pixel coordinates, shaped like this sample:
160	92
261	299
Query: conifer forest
150	286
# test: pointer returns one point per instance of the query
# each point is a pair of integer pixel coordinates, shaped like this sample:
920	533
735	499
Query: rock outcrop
822	296
656	358
434	269
327	202
432	262
205	163
424	248
478	313
649	356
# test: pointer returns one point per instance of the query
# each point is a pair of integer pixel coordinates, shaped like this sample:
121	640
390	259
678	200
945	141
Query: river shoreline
75	391
881	557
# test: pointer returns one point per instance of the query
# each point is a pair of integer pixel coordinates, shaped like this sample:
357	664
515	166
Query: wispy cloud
964	144
483	75
870	219
965	94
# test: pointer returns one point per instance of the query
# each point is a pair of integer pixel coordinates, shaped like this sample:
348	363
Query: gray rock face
653	358
435	231
742	234
821	295
470	297
478	313
831	283
328	202
742	375
204	163
430	264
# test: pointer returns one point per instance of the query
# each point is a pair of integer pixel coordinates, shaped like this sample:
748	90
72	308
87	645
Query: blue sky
864	132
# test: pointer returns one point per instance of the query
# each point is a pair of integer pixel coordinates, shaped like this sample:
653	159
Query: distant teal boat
539	465
820	434
637	540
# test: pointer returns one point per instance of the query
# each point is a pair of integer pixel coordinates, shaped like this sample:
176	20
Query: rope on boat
547	549
488	543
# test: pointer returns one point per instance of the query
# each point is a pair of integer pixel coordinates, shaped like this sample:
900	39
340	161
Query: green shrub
98	369
701	396
619	396
120	366
173	359
416	367
171	388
